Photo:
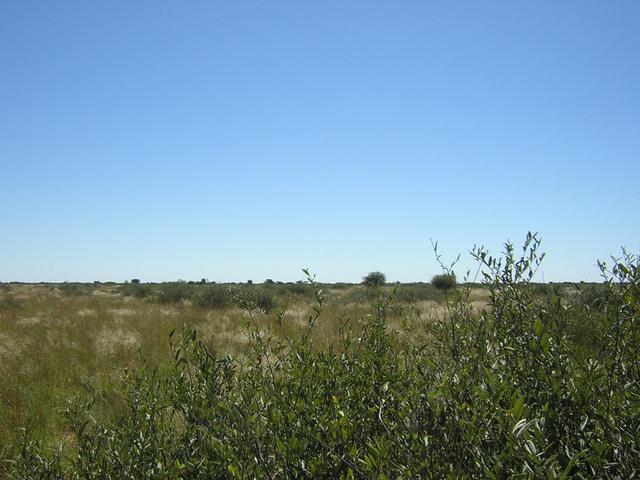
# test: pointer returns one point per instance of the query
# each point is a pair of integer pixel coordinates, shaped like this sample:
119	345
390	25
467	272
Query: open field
187	380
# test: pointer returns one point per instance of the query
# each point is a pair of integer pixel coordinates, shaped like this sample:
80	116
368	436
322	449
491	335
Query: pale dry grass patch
483	294
223	324
478	306
122	312
13	346
430	309
60	340
29	321
111	340
87	313
105	293
298	314
229	343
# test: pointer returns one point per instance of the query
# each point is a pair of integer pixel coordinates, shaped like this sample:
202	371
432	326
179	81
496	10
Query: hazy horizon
162	140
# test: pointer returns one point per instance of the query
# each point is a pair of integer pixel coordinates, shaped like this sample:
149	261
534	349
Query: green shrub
374	279
444	281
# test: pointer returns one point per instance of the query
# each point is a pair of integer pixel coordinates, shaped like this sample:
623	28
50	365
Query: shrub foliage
513	393
444	281
374	279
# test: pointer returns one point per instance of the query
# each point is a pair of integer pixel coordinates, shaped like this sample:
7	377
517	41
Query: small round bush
444	281
374	279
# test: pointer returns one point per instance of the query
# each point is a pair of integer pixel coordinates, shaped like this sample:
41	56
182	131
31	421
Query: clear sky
246	140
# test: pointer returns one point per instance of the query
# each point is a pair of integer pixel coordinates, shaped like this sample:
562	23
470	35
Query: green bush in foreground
514	393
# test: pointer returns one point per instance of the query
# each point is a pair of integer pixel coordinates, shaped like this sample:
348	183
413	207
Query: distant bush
135	280
212	296
174	292
444	281
374	279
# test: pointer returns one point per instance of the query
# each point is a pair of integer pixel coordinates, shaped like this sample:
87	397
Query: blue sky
246	140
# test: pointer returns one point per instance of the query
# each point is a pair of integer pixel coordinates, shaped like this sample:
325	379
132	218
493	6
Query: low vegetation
536	383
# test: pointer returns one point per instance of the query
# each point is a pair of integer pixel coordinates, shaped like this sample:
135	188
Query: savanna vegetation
504	379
